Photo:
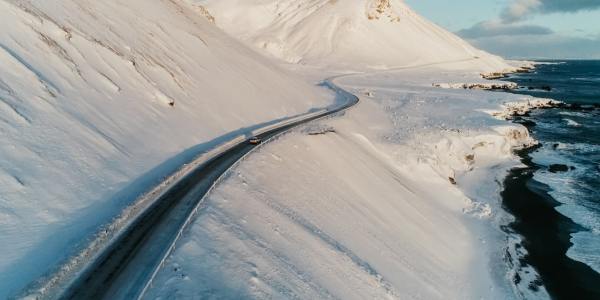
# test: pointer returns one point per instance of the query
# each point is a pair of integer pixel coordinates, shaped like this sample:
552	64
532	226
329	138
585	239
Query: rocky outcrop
478	86
559	168
204	12
378	9
504	74
495	75
519	109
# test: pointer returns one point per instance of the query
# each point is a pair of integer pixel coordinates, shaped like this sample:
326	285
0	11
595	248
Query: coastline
546	234
534	269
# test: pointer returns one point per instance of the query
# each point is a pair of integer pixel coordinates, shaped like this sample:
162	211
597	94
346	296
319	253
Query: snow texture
351	34
397	199
100	100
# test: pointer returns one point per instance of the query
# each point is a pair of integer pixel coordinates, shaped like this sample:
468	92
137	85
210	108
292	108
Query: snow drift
99	100
349	33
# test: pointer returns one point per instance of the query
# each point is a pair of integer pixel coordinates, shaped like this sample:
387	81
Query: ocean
556	199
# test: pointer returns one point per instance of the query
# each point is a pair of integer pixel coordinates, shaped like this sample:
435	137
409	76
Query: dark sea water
556	200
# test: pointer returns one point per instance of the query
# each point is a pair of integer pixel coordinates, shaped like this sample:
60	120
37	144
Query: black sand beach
546	235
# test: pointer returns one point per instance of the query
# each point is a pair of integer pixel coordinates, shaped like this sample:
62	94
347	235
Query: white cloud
540	46
509	37
495	28
518	10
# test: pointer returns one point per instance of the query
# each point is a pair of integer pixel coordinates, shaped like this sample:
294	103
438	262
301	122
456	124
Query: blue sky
521	28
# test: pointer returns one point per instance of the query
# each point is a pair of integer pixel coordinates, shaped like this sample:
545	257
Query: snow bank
478	86
523	107
99	100
394	200
349	34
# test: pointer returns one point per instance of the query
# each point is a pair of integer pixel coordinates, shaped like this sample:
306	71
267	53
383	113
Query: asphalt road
122	271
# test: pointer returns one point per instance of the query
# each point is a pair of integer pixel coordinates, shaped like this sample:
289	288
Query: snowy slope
345	33
361	206
99	100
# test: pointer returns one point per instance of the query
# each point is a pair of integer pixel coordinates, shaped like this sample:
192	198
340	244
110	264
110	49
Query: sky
521	28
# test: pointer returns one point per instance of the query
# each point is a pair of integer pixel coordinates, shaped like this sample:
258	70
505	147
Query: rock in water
558	168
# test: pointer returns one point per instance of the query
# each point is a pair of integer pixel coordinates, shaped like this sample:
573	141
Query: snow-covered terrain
394	200
397	198
99	100
349	34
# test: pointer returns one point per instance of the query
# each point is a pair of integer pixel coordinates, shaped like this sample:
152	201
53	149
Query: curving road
123	270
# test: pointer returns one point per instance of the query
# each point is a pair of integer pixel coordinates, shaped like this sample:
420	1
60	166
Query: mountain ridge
375	34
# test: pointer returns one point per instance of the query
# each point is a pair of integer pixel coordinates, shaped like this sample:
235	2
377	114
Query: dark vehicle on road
255	140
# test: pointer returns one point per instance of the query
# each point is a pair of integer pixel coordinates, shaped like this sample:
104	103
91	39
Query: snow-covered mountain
98	102
350	33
